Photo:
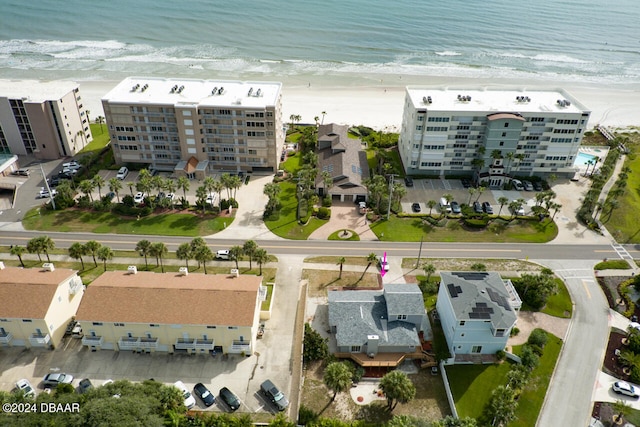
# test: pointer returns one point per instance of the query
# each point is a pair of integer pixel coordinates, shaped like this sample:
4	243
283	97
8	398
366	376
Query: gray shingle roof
343	158
403	299
479	296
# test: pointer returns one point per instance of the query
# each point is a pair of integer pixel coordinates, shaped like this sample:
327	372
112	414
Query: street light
390	191
46	183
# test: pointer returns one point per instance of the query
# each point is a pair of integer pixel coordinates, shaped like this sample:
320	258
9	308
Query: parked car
455	207
21	172
44	193
486	207
52	380
189	401
170	196
362	208
416	207
230	399
621	387
110	195
477	207
274	395
69	172
518	210
122	173
537	185
222	254
528	186
444	205
84	386
64	175
517	184
139	197
153	171
71	165
466	183
384	265
204	394
25	387
408	181
211	199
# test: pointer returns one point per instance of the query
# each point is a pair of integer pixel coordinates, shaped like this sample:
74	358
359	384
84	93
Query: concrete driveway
345	215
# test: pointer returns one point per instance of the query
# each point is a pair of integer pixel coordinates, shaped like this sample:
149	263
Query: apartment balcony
202	344
137	343
240	346
5	338
185	344
92	341
39	340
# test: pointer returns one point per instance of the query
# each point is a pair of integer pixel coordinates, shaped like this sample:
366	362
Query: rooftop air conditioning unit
221	91
214	91
132	269
48	266
1	265
258	92
235	272
184	271
250	92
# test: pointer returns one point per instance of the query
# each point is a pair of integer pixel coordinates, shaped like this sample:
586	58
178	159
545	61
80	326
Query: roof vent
1	265
184	271
427	100
48	266
132	269
235	272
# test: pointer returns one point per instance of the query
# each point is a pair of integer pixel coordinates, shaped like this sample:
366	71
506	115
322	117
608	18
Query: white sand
378	103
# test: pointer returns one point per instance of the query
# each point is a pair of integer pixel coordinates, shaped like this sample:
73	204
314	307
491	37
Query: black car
230	399
455	208
486	207
537	185
477	207
110	195
408	181
416	207
84	386
466	183
204	394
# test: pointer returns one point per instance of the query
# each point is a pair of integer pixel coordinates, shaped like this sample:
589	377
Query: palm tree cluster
378	188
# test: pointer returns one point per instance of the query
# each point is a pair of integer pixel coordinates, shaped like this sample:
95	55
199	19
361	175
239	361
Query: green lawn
100	139
559	305
411	229
174	224
267	302
336	236
471	386
616	264
285	223
292	164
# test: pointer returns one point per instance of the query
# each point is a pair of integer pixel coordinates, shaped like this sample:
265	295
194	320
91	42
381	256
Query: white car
72	165
621	387
189	400
384	265
211	199
44	193
222	254
139	197
517	184
122	173
25	386
170	196
519	211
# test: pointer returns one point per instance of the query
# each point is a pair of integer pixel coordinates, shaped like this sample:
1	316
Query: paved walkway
344	215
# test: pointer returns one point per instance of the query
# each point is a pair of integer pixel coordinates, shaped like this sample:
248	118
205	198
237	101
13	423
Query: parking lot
424	190
242	375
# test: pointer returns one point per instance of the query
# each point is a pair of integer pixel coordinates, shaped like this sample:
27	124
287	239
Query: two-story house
379	328
477	311
36	304
171	312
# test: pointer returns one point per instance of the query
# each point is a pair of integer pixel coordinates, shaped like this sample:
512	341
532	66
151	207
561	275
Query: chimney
184	271
48	266
1	265
235	272
132	269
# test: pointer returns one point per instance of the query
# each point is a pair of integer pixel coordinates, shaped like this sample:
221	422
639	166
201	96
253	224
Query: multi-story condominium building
195	127
492	135
45	119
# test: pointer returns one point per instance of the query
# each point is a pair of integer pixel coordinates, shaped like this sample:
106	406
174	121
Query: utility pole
390	191
419	252
46	183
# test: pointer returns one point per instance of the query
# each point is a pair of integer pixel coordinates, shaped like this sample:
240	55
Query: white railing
92	341
37	340
6	338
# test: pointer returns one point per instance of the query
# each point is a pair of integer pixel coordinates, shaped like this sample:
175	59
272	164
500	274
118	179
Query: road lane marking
586	288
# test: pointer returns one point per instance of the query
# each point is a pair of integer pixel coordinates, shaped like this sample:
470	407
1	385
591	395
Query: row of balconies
194	344
137	343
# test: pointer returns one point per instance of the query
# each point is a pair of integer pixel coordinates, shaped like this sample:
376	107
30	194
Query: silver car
621	387
52	380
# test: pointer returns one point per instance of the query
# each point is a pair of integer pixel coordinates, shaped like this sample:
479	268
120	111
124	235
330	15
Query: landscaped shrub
478	266
501	355
428	287
529	358
184	203
122	209
224	204
314	347
306	416
84	202
538	337
514	331
475	223
326	202
128	201
616	264
324	213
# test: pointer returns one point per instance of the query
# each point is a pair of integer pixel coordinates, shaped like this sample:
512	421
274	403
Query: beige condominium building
489	134
143	311
45	119
196	127
36	304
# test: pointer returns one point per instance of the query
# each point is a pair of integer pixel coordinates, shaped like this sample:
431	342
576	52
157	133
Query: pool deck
597	151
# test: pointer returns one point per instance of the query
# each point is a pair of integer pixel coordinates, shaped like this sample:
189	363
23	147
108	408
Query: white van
444	205
122	173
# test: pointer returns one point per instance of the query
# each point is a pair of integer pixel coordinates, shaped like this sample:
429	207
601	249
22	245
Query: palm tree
324	113
158	250
448	197
503	201
337	378
195	244
92	247
78	134
340	262
217	187
203	254
100	121
35	246
481	190
397	388
472	191
143	247
235	252
622	409
47	244
236	183
183	183
105	253
317	120
76	251
429	269
514	206
87	186
556	207
261	257
201	196
99	182
184	252
19	251
371	258
248	249
115	185
131	184
431	204
510	156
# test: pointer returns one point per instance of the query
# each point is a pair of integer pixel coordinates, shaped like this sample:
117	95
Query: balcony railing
137	343
204	344
92	341
6	337
185	344
240	346
39	340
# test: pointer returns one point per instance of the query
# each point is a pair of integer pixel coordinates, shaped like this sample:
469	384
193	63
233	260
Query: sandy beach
377	101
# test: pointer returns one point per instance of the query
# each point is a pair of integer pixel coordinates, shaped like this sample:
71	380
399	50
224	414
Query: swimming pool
583	158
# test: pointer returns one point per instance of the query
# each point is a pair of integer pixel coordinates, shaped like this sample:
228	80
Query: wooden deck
389	360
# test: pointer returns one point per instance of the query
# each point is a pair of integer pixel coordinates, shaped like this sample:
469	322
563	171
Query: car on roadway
122	173
230	399
189	401
528	186
138	198
384	265
466	183
44	193
408	181
222	254
25	387
486	207
52	380
84	386
477	207
622	387
21	172
274	395
204	394
71	165
416	207
455	207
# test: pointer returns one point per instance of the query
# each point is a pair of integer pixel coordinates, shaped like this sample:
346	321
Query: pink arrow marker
384	264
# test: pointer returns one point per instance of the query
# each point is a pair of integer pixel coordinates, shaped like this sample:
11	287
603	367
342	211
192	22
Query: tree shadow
375	413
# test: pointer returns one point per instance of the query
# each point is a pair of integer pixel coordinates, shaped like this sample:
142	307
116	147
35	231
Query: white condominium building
195	127
490	135
45	119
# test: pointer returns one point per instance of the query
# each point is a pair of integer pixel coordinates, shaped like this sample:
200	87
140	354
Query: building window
476	349
232	327
118	324
186	113
27	320
211	327
419	127
401	317
506	125
97	323
462	323
504	134
500	332
501	143
355	348
154	325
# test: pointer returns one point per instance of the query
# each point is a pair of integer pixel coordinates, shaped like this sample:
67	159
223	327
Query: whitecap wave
448	53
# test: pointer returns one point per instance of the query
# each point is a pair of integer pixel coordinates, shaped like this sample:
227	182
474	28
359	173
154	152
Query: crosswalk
622	253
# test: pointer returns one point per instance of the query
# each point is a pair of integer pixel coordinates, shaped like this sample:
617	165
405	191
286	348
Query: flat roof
171	298
535	101
195	92
36	90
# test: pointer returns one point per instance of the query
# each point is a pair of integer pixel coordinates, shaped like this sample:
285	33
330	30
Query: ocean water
592	41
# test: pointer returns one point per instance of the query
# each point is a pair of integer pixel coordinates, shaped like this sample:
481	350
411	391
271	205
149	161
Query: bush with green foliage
127	200
538	338
515	331
501	355
224	204
84	202
529	357
324	213
326	202
476	223
535	289
125	210
478	266
314	346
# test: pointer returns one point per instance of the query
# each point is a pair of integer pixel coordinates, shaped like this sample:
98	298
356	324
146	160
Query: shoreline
377	101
